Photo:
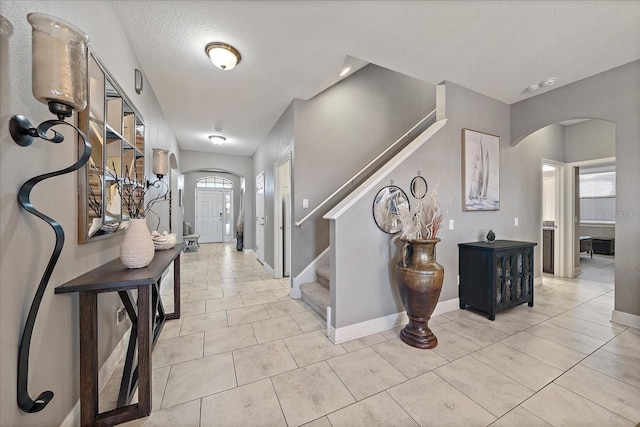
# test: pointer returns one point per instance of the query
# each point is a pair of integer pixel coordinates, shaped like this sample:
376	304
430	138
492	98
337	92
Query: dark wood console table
495	276
147	316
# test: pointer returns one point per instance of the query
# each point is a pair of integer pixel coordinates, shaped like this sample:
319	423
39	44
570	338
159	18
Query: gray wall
338	132
613	95
364	260
26	242
590	140
189	197
272	149
195	161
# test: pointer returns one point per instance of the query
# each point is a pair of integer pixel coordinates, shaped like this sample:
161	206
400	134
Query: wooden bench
586	245
191	241
189	237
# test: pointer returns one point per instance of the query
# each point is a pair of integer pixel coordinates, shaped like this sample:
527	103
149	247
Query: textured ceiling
295	49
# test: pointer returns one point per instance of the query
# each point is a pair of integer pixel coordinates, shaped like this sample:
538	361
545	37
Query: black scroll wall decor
23	134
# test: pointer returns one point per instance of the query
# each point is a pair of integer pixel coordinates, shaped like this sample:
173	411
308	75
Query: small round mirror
387	205
419	187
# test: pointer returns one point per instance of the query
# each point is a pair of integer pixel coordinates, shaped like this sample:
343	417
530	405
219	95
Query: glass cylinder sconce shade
59	64
160	162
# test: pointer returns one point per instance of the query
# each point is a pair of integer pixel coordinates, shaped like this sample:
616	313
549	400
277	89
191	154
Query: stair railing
351	180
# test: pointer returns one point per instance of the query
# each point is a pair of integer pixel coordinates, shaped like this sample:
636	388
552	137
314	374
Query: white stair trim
382	173
362	329
309	273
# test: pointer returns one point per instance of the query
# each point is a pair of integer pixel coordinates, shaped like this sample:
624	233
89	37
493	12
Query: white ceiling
295	49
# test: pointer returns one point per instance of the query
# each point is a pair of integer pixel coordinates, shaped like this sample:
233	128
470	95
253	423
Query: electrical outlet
451	224
515	221
121	315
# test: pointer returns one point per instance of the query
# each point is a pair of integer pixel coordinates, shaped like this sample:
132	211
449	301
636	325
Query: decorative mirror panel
117	135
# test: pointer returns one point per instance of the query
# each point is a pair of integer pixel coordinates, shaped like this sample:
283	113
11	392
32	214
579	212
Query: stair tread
317	296
324	272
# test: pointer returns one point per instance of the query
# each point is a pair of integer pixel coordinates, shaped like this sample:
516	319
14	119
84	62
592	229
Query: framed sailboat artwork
481	171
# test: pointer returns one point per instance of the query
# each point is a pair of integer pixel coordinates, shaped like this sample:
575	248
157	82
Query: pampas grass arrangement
425	220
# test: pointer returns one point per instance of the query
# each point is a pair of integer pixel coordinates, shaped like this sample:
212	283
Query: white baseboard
537	281
309	273
269	269
626	319
295	293
73	417
380	324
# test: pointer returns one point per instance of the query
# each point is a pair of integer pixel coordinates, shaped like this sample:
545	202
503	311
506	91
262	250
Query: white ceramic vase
137	249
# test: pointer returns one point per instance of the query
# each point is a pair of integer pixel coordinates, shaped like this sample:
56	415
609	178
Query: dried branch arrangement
425	220
132	193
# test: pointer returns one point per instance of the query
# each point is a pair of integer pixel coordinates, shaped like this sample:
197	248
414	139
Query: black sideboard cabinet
495	276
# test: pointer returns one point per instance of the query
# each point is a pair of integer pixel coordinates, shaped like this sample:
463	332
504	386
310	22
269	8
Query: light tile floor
597	268
245	354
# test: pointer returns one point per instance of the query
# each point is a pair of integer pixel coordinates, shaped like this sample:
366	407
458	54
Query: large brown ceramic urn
419	279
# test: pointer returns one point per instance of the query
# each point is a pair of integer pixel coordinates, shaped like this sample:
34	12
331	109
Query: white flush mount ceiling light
223	56
217	139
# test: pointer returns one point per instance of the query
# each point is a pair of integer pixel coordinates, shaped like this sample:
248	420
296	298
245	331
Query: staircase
316	294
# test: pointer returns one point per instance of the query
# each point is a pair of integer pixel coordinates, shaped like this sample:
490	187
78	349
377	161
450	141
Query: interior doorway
282	215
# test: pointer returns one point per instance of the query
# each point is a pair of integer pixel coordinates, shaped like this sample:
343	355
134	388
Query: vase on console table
137	248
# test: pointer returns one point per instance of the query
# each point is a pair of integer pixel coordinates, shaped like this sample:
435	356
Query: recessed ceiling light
549	82
223	56
533	88
217	139
345	71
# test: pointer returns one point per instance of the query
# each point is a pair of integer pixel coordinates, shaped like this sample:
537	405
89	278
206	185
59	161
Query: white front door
260	219
209	215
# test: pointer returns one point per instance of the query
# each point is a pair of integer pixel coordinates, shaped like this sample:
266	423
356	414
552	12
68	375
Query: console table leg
145	320
88	358
176	290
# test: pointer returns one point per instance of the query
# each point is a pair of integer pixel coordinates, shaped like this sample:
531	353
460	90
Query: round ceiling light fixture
223	56
217	139
549	82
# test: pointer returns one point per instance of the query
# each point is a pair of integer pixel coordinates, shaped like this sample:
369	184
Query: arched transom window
214	182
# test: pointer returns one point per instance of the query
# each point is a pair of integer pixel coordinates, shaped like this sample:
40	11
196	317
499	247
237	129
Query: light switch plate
450	224
305	203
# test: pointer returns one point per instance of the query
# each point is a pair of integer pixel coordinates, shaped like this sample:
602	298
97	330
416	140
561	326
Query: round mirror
419	187
387	205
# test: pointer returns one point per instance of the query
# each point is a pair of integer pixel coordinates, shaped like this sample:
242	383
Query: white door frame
260	191
278	260
559	242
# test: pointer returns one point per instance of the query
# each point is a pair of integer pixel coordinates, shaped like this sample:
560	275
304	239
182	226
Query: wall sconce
59	79
160	166
222	55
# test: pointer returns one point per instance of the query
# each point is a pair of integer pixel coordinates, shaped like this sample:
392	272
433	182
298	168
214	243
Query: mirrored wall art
386	208
419	187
